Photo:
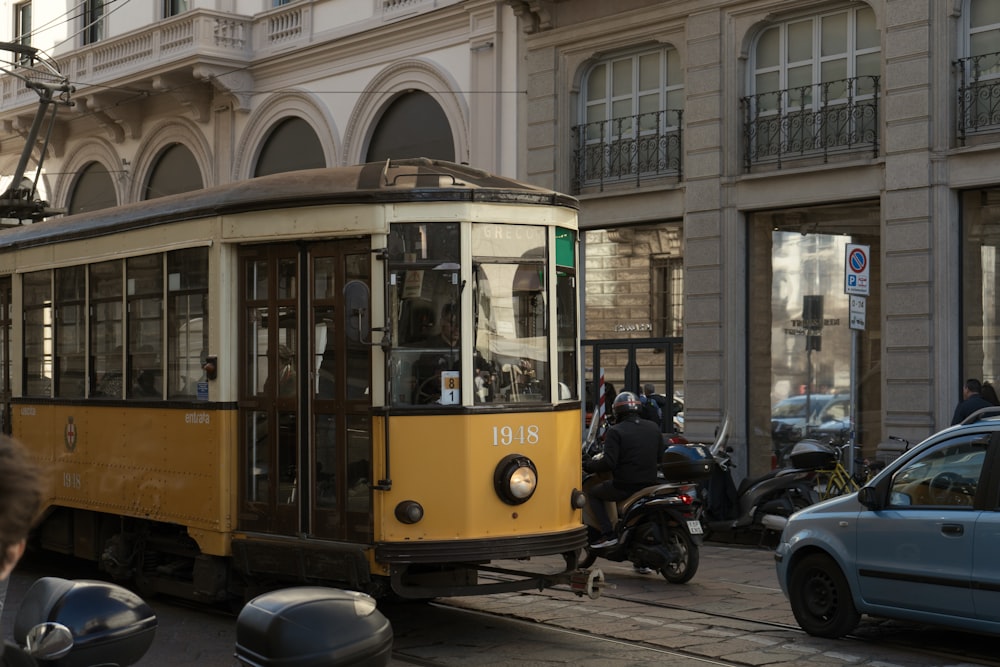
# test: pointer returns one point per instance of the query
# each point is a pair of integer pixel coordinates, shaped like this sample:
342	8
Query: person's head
449	323
20	498
972	386
648	389
626	403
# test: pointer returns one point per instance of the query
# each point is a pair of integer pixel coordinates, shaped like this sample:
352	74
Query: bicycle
837	481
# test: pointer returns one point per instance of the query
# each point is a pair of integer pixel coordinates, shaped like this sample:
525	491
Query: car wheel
821	599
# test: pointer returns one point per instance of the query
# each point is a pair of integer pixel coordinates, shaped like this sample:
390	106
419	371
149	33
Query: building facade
727	153
175	95
760	141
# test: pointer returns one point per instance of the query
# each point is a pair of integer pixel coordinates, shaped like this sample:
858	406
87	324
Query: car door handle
952	529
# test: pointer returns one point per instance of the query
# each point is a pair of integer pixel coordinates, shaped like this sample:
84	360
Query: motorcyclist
631	454
20	497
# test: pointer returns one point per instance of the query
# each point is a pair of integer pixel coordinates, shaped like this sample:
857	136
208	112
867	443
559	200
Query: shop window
799	336
175	171
414	125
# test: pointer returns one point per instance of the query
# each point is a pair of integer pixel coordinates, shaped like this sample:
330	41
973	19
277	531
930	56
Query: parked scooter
657	527
757	510
83	623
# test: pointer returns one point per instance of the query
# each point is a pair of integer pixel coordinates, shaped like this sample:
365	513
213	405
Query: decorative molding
535	15
195	97
238	84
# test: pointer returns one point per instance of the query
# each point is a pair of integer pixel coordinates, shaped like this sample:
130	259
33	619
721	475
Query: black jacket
973	403
631	453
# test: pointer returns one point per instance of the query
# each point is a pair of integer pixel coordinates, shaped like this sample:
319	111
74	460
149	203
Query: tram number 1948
515	435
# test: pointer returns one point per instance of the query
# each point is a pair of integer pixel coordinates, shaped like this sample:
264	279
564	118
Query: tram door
305	424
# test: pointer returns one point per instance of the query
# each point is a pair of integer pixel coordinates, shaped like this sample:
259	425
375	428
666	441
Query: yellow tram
364	377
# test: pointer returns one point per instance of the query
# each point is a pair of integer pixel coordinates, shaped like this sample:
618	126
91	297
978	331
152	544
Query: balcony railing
978	94
817	120
227	41
627	149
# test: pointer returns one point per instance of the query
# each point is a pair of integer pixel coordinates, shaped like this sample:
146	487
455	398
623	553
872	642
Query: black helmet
626	403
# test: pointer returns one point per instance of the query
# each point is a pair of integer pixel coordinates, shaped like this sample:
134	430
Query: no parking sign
857	270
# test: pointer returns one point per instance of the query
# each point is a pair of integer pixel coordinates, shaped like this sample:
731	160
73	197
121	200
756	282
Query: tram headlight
515	479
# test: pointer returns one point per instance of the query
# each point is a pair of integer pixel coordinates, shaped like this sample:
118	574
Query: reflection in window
187	320
38	352
424	303
509	291
946	476
144	281
566	300
106	327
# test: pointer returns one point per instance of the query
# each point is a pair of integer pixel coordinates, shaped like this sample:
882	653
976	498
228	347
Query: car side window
946	476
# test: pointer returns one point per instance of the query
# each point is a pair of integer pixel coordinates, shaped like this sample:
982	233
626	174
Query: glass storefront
800	344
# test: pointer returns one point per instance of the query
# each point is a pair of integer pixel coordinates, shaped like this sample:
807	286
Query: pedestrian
653	405
990	393
972	400
20	498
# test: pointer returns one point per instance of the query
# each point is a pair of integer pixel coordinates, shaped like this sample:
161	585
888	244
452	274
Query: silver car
920	542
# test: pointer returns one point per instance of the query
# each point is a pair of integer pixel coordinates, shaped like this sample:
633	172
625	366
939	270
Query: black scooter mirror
49	641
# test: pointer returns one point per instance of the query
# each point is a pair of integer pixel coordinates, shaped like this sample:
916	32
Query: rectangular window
93	21
425	293
22	23
106	327
144	296
187	320
174	7
668	292
38	359
71	332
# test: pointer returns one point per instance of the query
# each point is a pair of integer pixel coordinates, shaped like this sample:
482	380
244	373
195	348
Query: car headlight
515	479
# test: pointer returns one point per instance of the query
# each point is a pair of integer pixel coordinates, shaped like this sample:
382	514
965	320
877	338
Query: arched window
631	108
174	171
815	85
93	190
414	125
292	145
980	68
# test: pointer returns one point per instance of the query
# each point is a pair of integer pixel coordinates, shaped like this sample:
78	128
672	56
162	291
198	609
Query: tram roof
409	180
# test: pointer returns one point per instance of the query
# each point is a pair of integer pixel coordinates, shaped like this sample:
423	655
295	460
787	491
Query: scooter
657	527
83	623
757	510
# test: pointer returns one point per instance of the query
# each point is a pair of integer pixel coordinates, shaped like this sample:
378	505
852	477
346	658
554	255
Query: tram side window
187	320
566	306
38	353
509	293
144	294
71	332
425	304
107	328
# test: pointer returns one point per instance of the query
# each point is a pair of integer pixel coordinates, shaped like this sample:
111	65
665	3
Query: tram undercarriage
161	558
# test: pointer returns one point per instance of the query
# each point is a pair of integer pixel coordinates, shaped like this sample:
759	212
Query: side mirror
870	498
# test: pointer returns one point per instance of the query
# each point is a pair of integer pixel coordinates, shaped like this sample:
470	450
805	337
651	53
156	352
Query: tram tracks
735	638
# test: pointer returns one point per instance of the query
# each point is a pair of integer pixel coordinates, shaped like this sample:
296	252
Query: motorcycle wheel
681	570
587	558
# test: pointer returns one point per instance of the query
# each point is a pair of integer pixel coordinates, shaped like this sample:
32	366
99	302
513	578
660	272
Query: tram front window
425	300
511	361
